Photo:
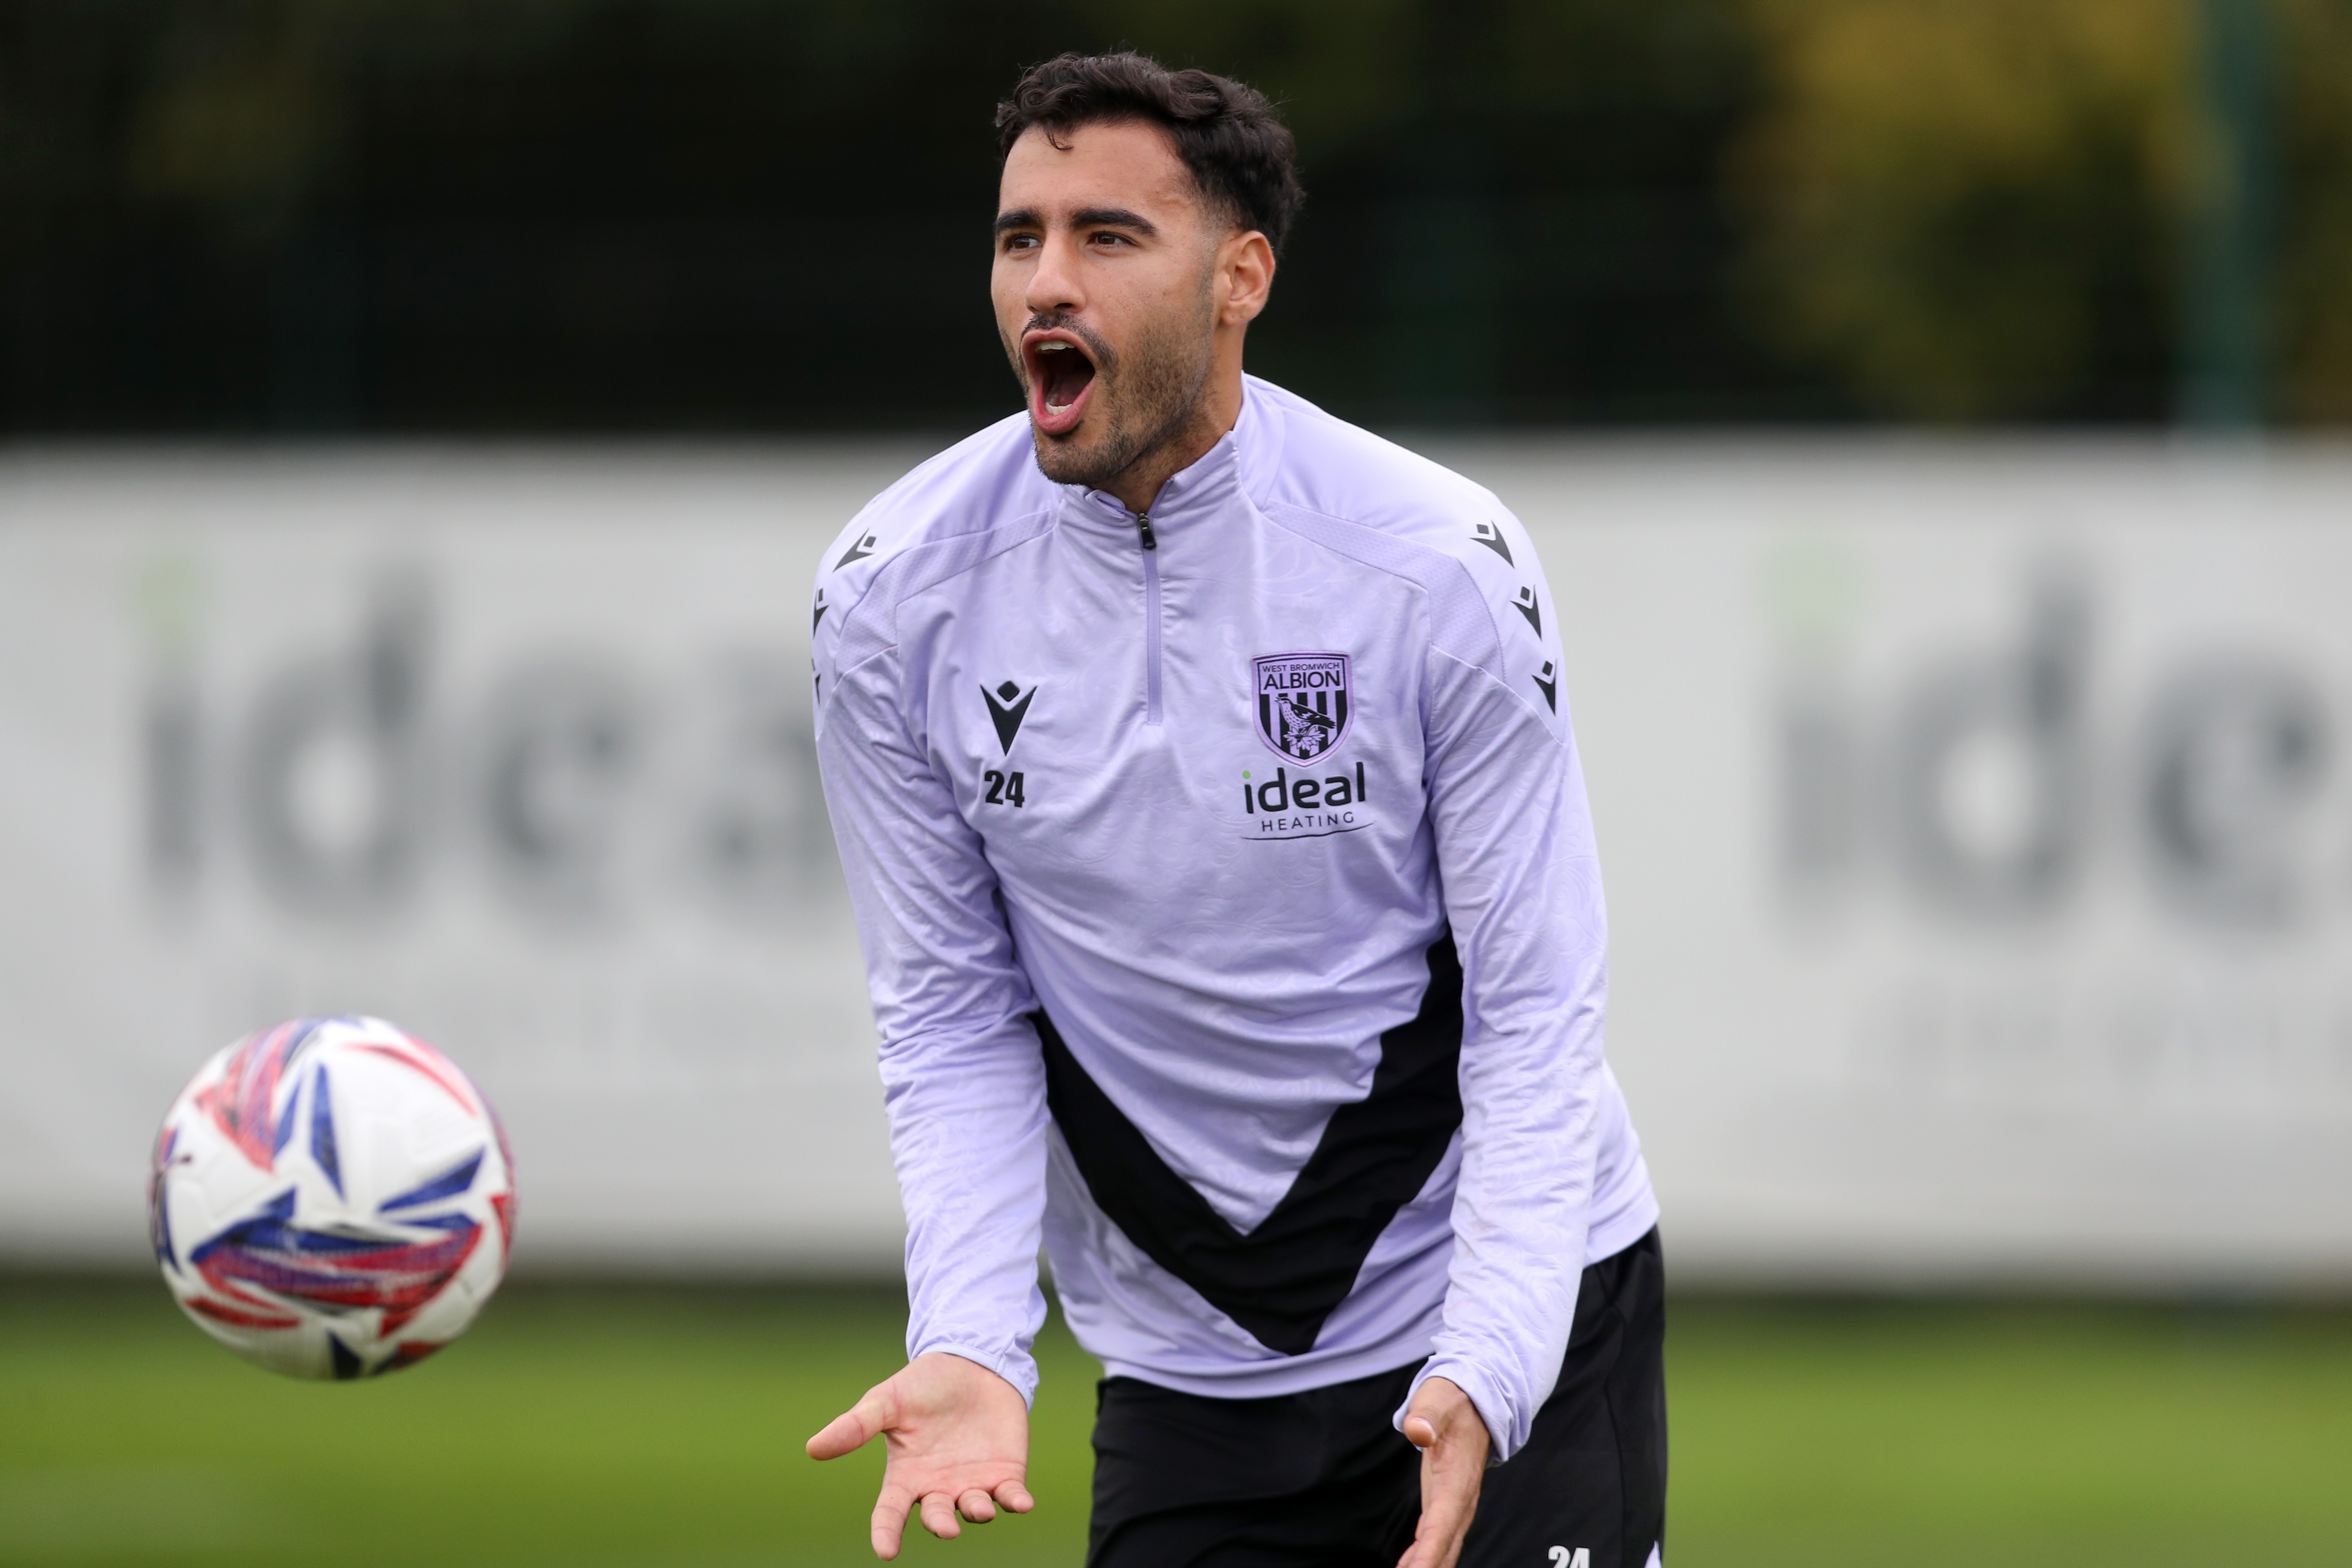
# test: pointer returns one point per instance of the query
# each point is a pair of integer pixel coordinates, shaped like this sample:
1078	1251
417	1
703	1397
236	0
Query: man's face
1105	259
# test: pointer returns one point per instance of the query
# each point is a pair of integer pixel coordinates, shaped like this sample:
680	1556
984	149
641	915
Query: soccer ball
332	1198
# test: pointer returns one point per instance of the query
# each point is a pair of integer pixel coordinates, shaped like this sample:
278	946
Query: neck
1220	408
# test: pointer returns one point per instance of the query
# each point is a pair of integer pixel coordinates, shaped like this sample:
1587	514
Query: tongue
1067	375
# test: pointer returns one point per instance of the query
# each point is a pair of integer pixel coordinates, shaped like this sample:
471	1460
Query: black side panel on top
1280	1281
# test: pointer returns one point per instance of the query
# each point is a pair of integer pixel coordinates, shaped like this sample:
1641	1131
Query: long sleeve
1522	890
962	1078
1063	787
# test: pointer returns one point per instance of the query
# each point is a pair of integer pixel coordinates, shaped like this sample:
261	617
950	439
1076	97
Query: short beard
1150	396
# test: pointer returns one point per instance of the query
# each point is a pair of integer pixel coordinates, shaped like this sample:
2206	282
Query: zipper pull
1143	527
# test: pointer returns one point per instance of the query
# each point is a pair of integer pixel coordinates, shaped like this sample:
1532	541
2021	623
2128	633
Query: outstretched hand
1453	1439
957	1442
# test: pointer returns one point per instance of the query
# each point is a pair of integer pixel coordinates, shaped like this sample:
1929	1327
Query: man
1227	891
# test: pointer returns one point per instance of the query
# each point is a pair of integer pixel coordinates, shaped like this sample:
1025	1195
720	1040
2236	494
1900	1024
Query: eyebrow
1112	217
1084	217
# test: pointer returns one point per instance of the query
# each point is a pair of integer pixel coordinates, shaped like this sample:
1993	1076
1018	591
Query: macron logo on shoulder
1547	682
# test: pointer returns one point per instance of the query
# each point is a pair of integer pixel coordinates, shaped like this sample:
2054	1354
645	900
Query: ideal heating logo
1302	806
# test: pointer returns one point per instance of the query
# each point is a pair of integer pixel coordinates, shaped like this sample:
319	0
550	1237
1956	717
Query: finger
1434	1545
1442	1519
856	1426
1431	1554
1014	1496
844	1433
1419	1431
976	1505
939	1516
1449	1499
889	1522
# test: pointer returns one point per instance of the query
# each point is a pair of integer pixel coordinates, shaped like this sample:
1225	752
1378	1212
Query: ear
1244	277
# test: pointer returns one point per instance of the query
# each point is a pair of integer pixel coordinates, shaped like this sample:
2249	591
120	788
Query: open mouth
1061	375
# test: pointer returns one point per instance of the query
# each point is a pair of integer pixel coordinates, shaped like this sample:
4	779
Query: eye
1020	242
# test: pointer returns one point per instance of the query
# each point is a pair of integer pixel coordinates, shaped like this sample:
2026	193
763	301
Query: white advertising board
1977	821
512	751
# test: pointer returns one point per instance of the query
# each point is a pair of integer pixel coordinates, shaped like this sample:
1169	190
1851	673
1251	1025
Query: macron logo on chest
1007	706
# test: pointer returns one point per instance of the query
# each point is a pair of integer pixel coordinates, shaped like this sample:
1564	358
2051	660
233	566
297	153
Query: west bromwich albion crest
1302	702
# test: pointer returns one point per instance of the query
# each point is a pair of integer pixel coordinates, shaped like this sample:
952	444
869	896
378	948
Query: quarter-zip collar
1211	485
1197	493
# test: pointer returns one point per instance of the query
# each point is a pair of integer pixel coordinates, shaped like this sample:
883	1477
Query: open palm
957	1440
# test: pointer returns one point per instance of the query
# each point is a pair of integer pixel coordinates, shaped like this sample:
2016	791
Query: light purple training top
1208	810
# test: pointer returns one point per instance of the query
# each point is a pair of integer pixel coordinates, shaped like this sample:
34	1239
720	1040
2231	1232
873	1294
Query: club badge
1302	702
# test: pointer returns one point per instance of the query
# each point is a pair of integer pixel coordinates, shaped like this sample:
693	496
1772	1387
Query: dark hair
1241	154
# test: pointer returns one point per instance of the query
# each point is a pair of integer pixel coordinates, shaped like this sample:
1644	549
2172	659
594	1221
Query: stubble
1147	396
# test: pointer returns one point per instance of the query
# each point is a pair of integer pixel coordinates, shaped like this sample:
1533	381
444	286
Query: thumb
1419	1431
853	1427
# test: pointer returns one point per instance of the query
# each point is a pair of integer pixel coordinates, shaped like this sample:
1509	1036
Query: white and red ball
332	1198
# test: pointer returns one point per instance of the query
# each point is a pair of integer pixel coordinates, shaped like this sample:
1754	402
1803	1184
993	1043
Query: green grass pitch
648	1427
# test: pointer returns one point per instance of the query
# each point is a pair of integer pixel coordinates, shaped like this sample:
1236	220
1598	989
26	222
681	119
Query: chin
1072	458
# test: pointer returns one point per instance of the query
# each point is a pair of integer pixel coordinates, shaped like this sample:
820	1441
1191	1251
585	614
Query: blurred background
423	420
538	216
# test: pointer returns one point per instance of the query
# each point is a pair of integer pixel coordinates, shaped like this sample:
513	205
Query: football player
1222	862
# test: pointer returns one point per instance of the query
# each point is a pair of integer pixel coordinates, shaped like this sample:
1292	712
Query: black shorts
1322	1478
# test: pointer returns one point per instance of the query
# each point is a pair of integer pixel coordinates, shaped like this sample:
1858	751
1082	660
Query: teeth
1051	348
1057	408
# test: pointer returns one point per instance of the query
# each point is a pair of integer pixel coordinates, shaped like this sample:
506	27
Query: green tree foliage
2313	300
533	214
537	215
1972	209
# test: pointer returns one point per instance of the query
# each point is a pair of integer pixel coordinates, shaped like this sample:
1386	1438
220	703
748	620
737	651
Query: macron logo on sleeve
1487	535
1547	682
1525	605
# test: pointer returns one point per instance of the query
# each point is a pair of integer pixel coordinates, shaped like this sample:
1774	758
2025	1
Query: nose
1054	282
